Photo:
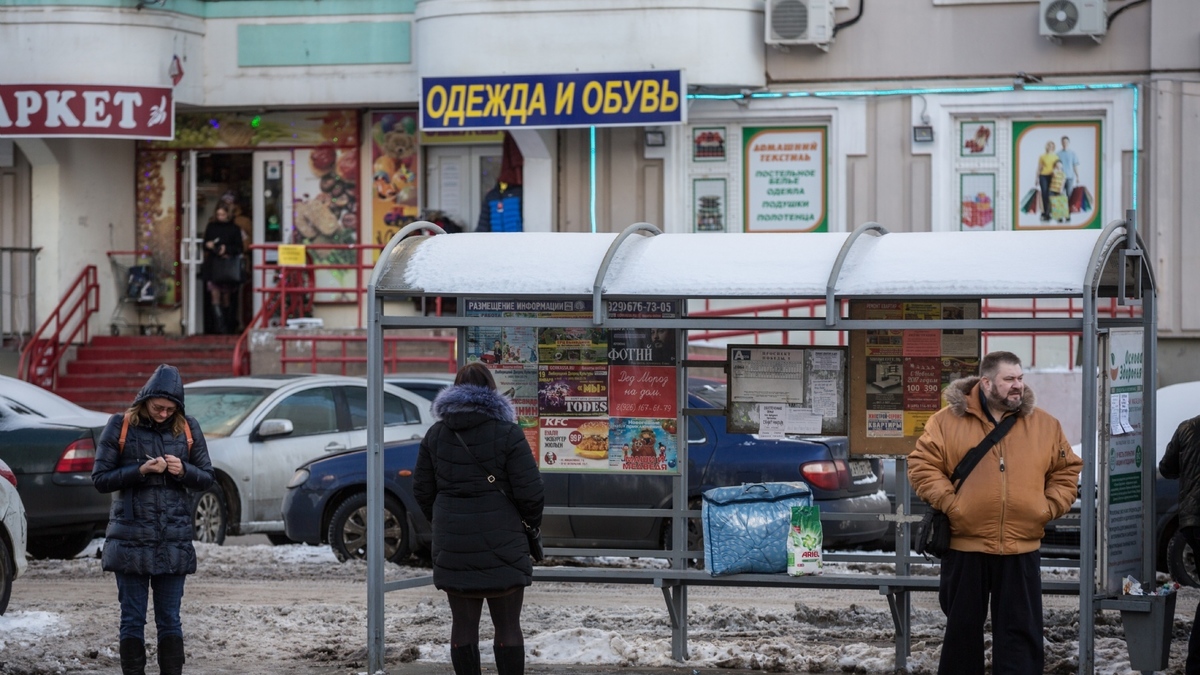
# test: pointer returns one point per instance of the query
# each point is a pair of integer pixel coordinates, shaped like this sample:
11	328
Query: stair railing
66	325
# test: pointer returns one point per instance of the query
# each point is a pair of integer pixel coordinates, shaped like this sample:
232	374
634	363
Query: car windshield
220	409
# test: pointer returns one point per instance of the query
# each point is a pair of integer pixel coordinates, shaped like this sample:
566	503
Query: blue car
326	500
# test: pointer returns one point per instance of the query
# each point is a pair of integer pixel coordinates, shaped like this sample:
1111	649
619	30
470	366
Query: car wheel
1181	560
348	529
695	534
60	546
279	539
7	571
210	518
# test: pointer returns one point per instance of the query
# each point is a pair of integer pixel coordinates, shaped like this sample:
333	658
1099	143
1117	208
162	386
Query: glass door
272	213
457	177
191	253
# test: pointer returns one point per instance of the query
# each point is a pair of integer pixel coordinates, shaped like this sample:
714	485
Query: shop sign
786	187
568	100
81	110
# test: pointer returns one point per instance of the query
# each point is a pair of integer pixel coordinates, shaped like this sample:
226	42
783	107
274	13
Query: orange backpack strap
187	430
125	432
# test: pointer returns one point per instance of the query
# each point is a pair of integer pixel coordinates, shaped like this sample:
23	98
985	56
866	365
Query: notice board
786	390
594	399
897	376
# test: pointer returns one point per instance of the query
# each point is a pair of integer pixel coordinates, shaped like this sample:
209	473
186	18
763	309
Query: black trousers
1193	654
1013	584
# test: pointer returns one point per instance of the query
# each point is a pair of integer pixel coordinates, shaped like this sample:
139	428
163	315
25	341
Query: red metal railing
391	348
67	324
288	293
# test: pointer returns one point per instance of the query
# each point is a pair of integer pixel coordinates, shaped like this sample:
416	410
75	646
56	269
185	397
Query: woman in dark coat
479	545
222	239
152	453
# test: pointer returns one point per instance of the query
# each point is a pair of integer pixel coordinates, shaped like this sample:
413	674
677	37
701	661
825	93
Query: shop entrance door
215	178
457	177
272	209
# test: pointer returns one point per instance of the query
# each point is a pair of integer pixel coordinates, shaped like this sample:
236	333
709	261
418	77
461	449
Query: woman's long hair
139	411
476	374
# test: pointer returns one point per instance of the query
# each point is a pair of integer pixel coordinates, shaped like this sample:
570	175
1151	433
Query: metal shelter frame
864	268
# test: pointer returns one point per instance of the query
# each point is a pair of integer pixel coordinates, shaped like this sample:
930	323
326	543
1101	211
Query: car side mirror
275	427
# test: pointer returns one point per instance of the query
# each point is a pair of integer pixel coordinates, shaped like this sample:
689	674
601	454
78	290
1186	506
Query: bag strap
187	431
490	478
968	462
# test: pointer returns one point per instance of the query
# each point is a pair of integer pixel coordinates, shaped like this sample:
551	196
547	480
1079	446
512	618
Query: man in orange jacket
997	517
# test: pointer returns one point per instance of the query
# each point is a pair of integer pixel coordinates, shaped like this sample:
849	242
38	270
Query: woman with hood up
152	453
479	546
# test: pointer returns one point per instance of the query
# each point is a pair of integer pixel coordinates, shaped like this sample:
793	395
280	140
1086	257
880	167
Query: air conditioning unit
1069	18
799	22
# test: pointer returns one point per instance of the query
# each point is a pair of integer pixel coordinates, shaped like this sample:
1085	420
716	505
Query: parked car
45	403
12	534
326	500
425	385
52	456
259	429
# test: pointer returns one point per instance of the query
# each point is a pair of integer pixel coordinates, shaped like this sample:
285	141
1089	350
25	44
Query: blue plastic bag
746	527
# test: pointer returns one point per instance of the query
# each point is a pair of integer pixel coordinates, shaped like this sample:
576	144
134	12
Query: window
311	412
696	431
396	410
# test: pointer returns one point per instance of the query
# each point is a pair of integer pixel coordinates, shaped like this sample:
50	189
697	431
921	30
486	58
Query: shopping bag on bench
746	526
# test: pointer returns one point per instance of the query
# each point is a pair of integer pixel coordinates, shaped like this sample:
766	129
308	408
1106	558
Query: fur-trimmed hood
960	400
470	398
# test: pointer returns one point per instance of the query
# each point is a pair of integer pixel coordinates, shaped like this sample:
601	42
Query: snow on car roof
738	265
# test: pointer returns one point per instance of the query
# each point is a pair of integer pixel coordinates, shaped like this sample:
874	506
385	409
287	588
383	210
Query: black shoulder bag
933	534
533	534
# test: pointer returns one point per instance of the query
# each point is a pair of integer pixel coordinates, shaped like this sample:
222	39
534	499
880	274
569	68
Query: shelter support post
675	593
375	645
900	603
598	287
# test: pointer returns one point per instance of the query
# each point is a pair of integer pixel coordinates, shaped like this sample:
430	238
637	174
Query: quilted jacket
1026	480
479	543
1182	461
150	524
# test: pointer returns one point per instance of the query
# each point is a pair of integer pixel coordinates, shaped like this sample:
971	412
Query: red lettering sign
81	110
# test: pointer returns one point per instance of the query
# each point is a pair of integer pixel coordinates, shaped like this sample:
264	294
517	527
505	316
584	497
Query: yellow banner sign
292	255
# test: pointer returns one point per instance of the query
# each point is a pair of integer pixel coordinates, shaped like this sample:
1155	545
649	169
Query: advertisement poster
708	144
642	391
978	139
1122	459
978	199
521	385
708	206
494	345
642	346
906	371
643	444
1057	175
395	172
325	211
274	129
572	345
572	390
786	187
575	444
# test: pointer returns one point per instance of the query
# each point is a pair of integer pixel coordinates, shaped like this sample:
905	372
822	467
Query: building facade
794	115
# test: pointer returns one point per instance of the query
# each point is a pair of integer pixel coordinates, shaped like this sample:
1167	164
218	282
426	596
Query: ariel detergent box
804	541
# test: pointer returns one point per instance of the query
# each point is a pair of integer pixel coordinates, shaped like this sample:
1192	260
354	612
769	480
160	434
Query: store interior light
656	138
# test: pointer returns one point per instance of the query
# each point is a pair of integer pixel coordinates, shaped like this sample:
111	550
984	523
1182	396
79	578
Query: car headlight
298	479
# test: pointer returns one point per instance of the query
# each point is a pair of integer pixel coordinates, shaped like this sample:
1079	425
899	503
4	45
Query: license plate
860	468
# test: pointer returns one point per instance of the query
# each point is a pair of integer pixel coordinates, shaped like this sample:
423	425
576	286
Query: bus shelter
562	290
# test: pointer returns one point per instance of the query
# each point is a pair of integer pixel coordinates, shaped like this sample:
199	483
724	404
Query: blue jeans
133	590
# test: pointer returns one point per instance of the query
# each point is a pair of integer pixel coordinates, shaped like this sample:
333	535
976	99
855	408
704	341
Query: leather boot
218	319
133	657
465	659
170	655
510	660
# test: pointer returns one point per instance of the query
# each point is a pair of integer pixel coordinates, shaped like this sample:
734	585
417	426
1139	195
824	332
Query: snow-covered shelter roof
913	264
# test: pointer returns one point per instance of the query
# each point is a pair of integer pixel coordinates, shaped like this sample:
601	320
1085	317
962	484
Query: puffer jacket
150	523
1026	480
479	543
1182	461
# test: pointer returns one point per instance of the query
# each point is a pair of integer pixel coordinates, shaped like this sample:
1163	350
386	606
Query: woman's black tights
506	617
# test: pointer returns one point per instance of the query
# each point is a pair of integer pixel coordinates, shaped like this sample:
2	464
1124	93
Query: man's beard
996	401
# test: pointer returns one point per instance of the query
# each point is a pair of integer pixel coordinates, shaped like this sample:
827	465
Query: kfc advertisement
79	110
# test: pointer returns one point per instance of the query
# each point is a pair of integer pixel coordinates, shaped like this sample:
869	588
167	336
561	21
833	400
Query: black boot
170	655
133	657
510	660
218	320
465	659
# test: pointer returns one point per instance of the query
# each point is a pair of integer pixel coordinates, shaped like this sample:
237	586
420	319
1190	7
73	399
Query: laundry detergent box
804	541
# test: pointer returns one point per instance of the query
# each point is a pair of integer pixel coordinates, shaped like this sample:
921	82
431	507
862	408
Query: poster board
782	390
897	376
589	400
1122	454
